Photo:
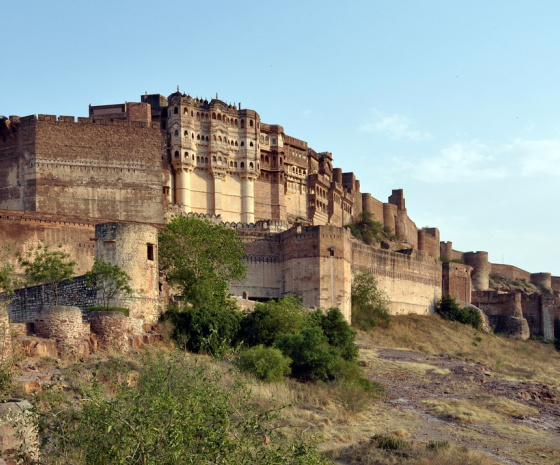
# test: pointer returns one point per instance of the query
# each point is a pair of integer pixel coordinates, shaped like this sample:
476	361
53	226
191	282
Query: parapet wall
412	282
28	301
510	272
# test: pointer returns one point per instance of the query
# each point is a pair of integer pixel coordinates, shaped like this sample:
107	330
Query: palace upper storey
138	161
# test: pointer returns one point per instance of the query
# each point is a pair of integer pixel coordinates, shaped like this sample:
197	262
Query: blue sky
456	102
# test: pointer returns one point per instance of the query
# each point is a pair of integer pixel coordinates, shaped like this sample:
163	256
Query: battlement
82	120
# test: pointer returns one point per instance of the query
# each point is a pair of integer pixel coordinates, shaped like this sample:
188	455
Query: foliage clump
369	230
42	265
265	363
174	413
109	281
449	309
199	258
370	305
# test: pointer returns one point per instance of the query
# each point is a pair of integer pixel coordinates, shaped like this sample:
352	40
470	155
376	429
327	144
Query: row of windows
218	160
265	140
216	139
265	159
217	116
320	191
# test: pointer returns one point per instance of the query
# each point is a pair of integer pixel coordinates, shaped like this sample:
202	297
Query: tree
370	305
200	258
448	308
108	280
45	266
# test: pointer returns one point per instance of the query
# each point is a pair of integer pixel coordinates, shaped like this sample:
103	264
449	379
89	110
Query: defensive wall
316	263
87	168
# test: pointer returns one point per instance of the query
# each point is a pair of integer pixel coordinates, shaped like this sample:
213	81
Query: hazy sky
456	102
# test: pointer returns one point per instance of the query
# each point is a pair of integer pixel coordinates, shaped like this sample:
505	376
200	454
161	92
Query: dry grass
408	453
527	360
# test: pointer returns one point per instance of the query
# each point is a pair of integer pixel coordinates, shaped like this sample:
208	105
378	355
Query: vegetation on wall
109	281
42	265
370	305
449	309
369	230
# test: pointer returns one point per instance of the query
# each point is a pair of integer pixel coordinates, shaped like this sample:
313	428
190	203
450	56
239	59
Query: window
150	250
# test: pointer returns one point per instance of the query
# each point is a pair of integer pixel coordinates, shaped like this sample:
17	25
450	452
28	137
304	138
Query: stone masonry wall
29	300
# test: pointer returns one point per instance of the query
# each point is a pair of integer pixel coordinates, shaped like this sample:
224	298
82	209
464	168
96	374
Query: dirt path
522	432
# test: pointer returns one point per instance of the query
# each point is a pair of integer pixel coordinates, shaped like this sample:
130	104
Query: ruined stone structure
103	184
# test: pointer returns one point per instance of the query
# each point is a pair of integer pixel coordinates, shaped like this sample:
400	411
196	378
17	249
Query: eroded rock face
514	327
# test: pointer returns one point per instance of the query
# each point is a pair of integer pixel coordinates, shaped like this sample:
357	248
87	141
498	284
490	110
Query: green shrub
208	329
385	442
313	358
265	363
437	445
175	413
99	308
449	309
287	315
370	305
339	333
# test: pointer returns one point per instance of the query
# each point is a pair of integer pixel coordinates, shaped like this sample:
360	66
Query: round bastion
543	280
112	329
59	322
481	269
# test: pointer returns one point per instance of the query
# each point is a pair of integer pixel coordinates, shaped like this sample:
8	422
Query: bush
370	305
449	309
268	320
175	413
338	331
385	442
265	363
208	329
313	358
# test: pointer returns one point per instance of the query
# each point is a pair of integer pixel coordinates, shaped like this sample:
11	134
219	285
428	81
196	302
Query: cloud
396	127
475	160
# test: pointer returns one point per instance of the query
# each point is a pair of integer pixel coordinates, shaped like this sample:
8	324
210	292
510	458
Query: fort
102	185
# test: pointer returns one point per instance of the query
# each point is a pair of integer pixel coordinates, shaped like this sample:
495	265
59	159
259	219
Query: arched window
219	117
266	159
251	165
206	160
176	154
219	138
198	159
231	164
186	133
250	144
207	140
214	137
186	111
236	143
266	139
192	113
251	122
176	132
176	110
213	115
214	158
198	137
198	114
192	135
242	123
242	165
242	144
